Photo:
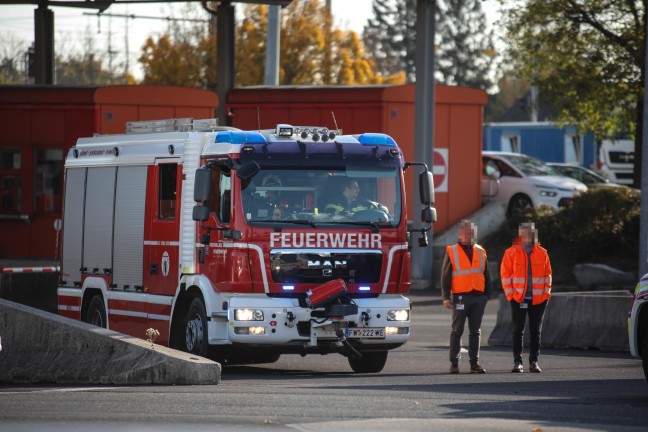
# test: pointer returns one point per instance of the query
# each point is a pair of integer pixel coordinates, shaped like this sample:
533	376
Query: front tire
370	362
96	313
195	329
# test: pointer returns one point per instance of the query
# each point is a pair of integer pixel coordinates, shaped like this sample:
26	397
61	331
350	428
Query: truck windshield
323	196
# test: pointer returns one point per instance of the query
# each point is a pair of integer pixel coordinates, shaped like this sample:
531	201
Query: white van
616	160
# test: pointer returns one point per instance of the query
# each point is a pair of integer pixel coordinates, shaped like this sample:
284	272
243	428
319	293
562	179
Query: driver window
220	201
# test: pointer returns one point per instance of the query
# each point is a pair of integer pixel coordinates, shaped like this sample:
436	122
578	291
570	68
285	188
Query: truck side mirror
248	170
429	215
426	188
200	213
202	185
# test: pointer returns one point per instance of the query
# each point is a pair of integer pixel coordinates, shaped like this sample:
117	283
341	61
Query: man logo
327	272
335	264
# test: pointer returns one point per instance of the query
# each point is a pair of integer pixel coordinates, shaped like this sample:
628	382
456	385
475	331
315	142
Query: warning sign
440	169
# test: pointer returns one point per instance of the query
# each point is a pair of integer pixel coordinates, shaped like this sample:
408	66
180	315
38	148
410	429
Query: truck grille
320	267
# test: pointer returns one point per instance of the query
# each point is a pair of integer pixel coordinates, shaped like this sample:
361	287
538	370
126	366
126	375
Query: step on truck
240	245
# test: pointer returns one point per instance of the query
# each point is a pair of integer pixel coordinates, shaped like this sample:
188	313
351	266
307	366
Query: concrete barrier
38	346
575	320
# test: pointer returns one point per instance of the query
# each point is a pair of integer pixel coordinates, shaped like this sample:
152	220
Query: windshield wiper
281	221
373	224
297	222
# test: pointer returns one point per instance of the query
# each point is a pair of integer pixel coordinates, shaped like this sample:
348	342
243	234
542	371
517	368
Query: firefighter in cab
347	202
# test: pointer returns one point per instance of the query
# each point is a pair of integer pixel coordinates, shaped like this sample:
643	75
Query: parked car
582	174
638	323
616	160
523	182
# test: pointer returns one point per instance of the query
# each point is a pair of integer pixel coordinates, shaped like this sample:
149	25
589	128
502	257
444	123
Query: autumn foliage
312	51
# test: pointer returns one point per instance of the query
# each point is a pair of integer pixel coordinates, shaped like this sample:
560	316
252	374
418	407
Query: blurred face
351	191
468	234
276	213
529	235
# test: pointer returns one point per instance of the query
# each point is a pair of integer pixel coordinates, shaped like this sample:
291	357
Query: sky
16	23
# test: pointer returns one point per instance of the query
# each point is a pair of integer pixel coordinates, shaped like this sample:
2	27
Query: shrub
599	223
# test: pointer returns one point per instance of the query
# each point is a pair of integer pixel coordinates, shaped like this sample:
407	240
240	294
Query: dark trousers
518	315
474	306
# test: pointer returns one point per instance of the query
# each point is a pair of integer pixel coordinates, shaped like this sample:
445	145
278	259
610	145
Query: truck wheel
196	329
96	313
370	362
644	355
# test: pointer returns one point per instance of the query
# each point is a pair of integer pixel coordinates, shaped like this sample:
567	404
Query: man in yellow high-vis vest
465	287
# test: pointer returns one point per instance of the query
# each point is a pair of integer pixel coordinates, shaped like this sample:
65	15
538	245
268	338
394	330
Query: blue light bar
376	139
364	288
288	287
240	137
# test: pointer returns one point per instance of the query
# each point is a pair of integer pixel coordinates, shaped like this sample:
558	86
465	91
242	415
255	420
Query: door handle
154	269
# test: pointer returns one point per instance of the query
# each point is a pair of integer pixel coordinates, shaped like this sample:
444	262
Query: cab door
226	259
161	240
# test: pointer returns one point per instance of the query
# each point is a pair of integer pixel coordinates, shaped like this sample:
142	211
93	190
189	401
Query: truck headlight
254	331
390	331
248	315
398	315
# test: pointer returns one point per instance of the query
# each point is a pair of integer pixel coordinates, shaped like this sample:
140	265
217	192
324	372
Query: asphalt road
578	390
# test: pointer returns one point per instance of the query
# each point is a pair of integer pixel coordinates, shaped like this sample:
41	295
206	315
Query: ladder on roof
172	125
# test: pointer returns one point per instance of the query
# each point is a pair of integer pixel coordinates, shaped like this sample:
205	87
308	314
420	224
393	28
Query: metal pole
271	76
44	45
643	218
424	118
225	52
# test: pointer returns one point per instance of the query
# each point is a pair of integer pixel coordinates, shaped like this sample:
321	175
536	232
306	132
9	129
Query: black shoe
517	368
535	368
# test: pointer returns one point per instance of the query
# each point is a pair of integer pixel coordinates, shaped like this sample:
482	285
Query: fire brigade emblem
165	263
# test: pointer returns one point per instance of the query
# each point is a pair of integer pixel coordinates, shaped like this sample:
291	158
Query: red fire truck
239	245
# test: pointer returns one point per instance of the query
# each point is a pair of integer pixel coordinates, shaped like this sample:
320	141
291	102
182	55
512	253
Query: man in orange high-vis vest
465	287
526	280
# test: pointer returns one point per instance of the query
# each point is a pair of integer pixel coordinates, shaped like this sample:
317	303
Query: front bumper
288	326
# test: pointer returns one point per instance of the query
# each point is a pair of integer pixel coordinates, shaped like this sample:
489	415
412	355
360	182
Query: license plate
365	333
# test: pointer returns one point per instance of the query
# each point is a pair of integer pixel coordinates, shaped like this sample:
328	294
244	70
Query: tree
587	59
250	54
184	56
466	52
82	64
390	37
464	47
312	51
511	89
12	60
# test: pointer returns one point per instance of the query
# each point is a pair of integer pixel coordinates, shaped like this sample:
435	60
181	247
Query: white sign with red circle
440	169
